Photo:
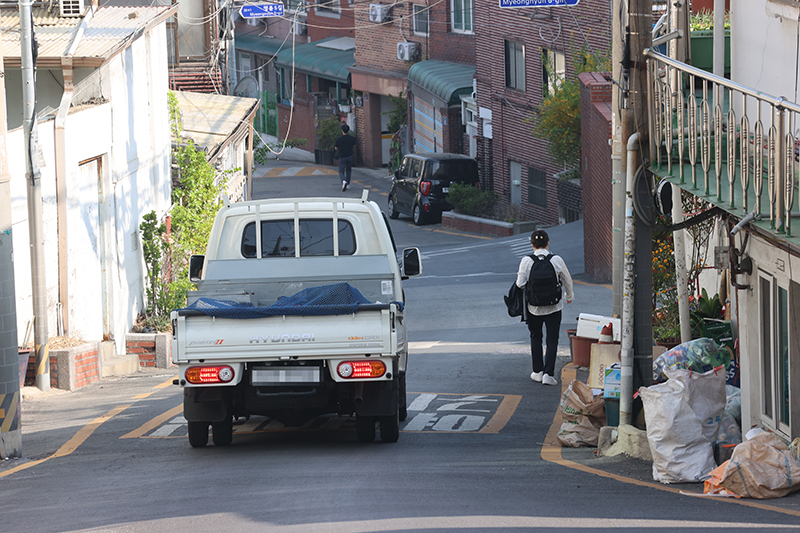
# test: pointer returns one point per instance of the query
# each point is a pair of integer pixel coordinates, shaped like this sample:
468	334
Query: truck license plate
445	190
282	376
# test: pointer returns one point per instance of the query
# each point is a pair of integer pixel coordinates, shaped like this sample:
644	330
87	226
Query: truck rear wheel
365	428
390	428
222	432
198	434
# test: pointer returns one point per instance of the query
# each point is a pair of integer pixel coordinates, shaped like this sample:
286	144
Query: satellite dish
247	87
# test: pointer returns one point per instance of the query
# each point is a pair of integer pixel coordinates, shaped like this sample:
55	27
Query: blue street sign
254	11
537	3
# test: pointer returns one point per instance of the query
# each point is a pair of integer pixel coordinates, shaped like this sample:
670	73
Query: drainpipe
629	278
60	150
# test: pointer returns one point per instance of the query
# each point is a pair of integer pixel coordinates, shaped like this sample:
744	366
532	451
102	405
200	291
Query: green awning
446	80
326	58
259	45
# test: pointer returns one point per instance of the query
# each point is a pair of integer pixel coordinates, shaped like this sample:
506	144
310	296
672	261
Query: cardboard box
612	381
602	357
591	326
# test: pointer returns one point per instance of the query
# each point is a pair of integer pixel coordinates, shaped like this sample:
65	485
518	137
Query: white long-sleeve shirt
563	275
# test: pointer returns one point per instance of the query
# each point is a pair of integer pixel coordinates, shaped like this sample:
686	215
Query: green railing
729	143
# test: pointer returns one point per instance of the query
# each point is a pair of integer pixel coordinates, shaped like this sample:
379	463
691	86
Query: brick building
424	50
513	50
596	175
321	85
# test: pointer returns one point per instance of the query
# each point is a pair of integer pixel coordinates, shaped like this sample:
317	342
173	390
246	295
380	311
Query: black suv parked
420	185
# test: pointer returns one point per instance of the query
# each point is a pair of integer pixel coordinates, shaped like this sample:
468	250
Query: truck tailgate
198	336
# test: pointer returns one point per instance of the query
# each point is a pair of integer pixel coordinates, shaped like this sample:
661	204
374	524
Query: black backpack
543	287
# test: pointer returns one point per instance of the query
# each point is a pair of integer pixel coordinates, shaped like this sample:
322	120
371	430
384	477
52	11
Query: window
316	238
554	70
775	305
515	65
537	187
328	8
421	19
461	16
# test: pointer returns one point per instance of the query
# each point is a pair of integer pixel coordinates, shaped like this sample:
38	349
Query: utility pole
34	179
637	311
10	429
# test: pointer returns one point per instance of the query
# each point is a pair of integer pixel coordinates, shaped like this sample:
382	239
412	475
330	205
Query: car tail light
361	369
425	188
203	375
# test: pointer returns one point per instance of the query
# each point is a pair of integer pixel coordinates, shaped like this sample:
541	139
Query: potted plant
701	26
327	131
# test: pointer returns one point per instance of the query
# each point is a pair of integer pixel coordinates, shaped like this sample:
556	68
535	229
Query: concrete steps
117	365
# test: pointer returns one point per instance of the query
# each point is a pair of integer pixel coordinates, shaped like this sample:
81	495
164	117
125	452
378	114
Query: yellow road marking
609	287
154	423
142	396
454	233
72	444
503	414
166	383
552	454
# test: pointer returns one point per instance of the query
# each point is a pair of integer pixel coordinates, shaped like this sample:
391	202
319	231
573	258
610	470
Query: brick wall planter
154	349
72	368
485	226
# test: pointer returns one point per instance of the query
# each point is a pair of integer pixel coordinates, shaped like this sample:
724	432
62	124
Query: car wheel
365	428
222	432
417	215
198	434
390	428
393	213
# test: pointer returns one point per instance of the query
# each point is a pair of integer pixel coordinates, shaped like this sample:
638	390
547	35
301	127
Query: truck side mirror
196	267
412	264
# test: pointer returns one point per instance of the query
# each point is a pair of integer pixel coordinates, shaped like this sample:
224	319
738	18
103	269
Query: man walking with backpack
542	276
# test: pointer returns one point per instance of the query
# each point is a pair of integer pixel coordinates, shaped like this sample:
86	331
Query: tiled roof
105	32
210	119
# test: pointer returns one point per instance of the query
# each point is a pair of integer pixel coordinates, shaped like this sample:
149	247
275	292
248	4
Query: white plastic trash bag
681	453
706	396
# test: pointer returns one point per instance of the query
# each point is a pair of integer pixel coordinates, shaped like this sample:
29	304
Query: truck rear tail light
203	375
425	188
361	369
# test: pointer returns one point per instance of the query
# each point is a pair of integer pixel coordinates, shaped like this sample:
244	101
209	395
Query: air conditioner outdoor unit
406	50
299	26
71	8
378	12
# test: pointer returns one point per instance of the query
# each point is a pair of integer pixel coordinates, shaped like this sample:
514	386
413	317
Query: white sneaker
344	186
547	379
537	376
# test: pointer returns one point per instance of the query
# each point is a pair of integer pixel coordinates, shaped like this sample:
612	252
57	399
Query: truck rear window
316	238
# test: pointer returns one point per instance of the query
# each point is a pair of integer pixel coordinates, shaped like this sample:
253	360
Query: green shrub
469	200
328	131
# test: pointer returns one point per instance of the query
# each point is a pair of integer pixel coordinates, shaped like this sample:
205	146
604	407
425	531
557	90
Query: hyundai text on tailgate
298	313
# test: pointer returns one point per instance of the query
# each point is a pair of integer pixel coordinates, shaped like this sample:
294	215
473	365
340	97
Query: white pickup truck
298	312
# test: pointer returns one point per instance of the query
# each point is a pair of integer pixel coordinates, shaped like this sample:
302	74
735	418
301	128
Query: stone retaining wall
72	368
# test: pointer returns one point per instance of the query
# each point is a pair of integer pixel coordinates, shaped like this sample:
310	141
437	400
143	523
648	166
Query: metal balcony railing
725	139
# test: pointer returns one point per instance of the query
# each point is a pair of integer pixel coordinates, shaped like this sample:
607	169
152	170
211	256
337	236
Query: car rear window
456	171
316	238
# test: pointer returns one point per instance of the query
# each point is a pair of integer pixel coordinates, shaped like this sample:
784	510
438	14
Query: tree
558	119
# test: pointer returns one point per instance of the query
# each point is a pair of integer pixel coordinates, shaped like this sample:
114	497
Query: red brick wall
511	109
302	119
376	44
596	175
87	367
146	350
475	226
321	26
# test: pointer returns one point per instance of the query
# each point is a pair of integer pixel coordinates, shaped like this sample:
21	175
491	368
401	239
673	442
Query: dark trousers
345	168
552	322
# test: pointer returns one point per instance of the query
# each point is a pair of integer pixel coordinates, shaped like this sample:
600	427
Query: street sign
254	11
537	3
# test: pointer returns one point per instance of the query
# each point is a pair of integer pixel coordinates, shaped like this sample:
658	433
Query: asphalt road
114	456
